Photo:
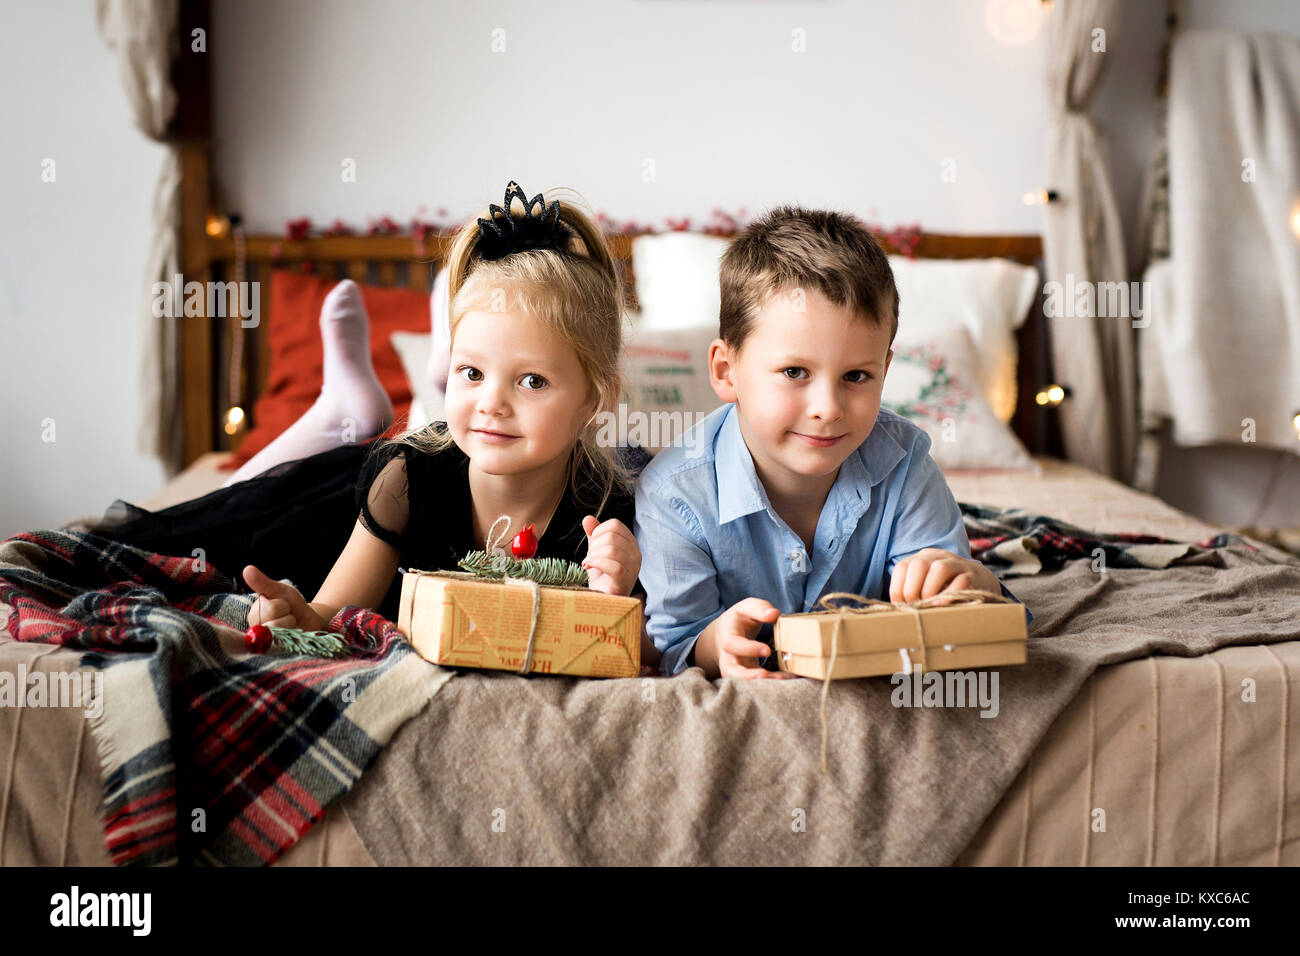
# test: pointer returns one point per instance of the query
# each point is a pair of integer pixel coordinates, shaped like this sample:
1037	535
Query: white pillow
677	279
665	384
440	312
414	349
933	384
989	298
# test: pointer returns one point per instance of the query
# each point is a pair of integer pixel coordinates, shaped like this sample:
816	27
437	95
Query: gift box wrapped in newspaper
464	620
858	637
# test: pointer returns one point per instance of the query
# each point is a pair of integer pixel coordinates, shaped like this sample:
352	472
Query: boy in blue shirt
802	484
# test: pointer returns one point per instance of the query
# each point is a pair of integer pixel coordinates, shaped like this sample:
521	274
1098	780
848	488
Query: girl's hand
279	605
613	558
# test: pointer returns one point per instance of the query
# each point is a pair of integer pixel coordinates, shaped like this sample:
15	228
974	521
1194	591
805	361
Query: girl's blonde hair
577	294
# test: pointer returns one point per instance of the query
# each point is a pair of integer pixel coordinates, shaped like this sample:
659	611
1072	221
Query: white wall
72	271
587	91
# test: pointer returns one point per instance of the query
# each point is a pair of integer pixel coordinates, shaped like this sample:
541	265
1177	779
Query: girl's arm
360	577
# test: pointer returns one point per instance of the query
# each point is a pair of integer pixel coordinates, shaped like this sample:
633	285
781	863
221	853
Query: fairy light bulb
1050	395
234	419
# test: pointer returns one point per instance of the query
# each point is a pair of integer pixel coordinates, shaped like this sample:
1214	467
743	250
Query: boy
801	484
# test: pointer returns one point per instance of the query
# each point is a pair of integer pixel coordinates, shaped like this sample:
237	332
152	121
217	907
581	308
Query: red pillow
297	363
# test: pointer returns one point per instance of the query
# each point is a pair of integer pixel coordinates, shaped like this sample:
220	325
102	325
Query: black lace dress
294	519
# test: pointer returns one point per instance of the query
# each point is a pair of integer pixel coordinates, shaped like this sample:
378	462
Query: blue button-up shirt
709	537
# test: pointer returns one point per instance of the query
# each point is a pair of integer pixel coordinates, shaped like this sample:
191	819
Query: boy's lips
818	441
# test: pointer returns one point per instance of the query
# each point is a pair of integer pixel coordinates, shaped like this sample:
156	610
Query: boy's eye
533	381
793	373
857	376
469	373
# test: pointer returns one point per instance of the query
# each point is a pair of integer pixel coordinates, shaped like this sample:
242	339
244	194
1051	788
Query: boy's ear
721	358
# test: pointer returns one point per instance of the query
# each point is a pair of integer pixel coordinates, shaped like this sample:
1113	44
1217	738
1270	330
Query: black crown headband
504	234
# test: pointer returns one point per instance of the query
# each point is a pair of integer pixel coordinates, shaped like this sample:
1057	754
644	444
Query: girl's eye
469	373
798	373
533	381
857	376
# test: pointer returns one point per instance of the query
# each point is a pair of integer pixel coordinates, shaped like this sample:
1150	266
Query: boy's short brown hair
793	248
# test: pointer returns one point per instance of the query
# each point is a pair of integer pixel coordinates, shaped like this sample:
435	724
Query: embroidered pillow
934	384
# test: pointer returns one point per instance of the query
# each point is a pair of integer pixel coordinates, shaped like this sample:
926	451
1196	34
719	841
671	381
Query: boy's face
806	383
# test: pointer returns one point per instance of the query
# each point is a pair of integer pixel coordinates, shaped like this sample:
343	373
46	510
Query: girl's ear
721	360
592	408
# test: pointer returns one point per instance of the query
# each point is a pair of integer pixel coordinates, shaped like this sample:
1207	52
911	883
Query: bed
1184	778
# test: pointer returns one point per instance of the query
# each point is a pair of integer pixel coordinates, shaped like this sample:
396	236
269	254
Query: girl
535	323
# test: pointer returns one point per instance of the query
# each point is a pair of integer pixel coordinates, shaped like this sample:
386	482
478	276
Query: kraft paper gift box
461	620
892	639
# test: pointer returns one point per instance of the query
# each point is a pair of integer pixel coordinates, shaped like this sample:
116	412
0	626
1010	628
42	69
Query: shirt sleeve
383	502
681	583
929	516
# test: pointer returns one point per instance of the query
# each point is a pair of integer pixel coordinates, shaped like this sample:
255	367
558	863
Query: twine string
865	605
493	544
532	625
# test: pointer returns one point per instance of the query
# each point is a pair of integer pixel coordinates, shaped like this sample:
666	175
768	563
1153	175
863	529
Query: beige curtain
143	35
1083	243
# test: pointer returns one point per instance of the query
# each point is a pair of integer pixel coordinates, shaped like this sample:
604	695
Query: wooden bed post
191	131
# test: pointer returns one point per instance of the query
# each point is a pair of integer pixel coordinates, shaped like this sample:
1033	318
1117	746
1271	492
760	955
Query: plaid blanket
1014	543
210	755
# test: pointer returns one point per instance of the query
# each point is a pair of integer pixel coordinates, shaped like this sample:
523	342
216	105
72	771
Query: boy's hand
613	558
932	571
726	648
279	605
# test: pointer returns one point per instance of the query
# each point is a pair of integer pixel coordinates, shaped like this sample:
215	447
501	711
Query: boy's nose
824	404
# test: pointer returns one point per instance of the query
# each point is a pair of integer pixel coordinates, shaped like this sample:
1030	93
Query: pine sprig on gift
549	572
260	638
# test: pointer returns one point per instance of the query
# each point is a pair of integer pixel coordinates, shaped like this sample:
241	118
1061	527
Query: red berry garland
524	544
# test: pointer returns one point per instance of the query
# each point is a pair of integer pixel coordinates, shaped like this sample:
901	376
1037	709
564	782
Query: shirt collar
739	490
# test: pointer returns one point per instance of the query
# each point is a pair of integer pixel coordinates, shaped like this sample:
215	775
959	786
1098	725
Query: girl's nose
492	400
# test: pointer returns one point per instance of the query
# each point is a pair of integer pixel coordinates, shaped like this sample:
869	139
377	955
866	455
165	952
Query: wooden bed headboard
404	261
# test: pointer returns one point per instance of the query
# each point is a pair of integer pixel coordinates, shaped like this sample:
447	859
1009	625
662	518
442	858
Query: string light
1051	395
234	419
218	227
1040	197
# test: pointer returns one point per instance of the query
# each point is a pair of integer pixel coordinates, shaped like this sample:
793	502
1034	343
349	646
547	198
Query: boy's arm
929	517
680	580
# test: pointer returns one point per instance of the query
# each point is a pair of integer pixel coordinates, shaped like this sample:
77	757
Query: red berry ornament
524	544
257	638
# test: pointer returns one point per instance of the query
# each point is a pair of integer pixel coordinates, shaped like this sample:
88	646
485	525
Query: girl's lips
494	437
818	442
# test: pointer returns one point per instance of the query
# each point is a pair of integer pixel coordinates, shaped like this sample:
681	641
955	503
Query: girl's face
517	397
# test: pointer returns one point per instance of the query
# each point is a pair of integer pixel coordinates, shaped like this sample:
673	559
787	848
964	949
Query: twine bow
493	544
866	605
